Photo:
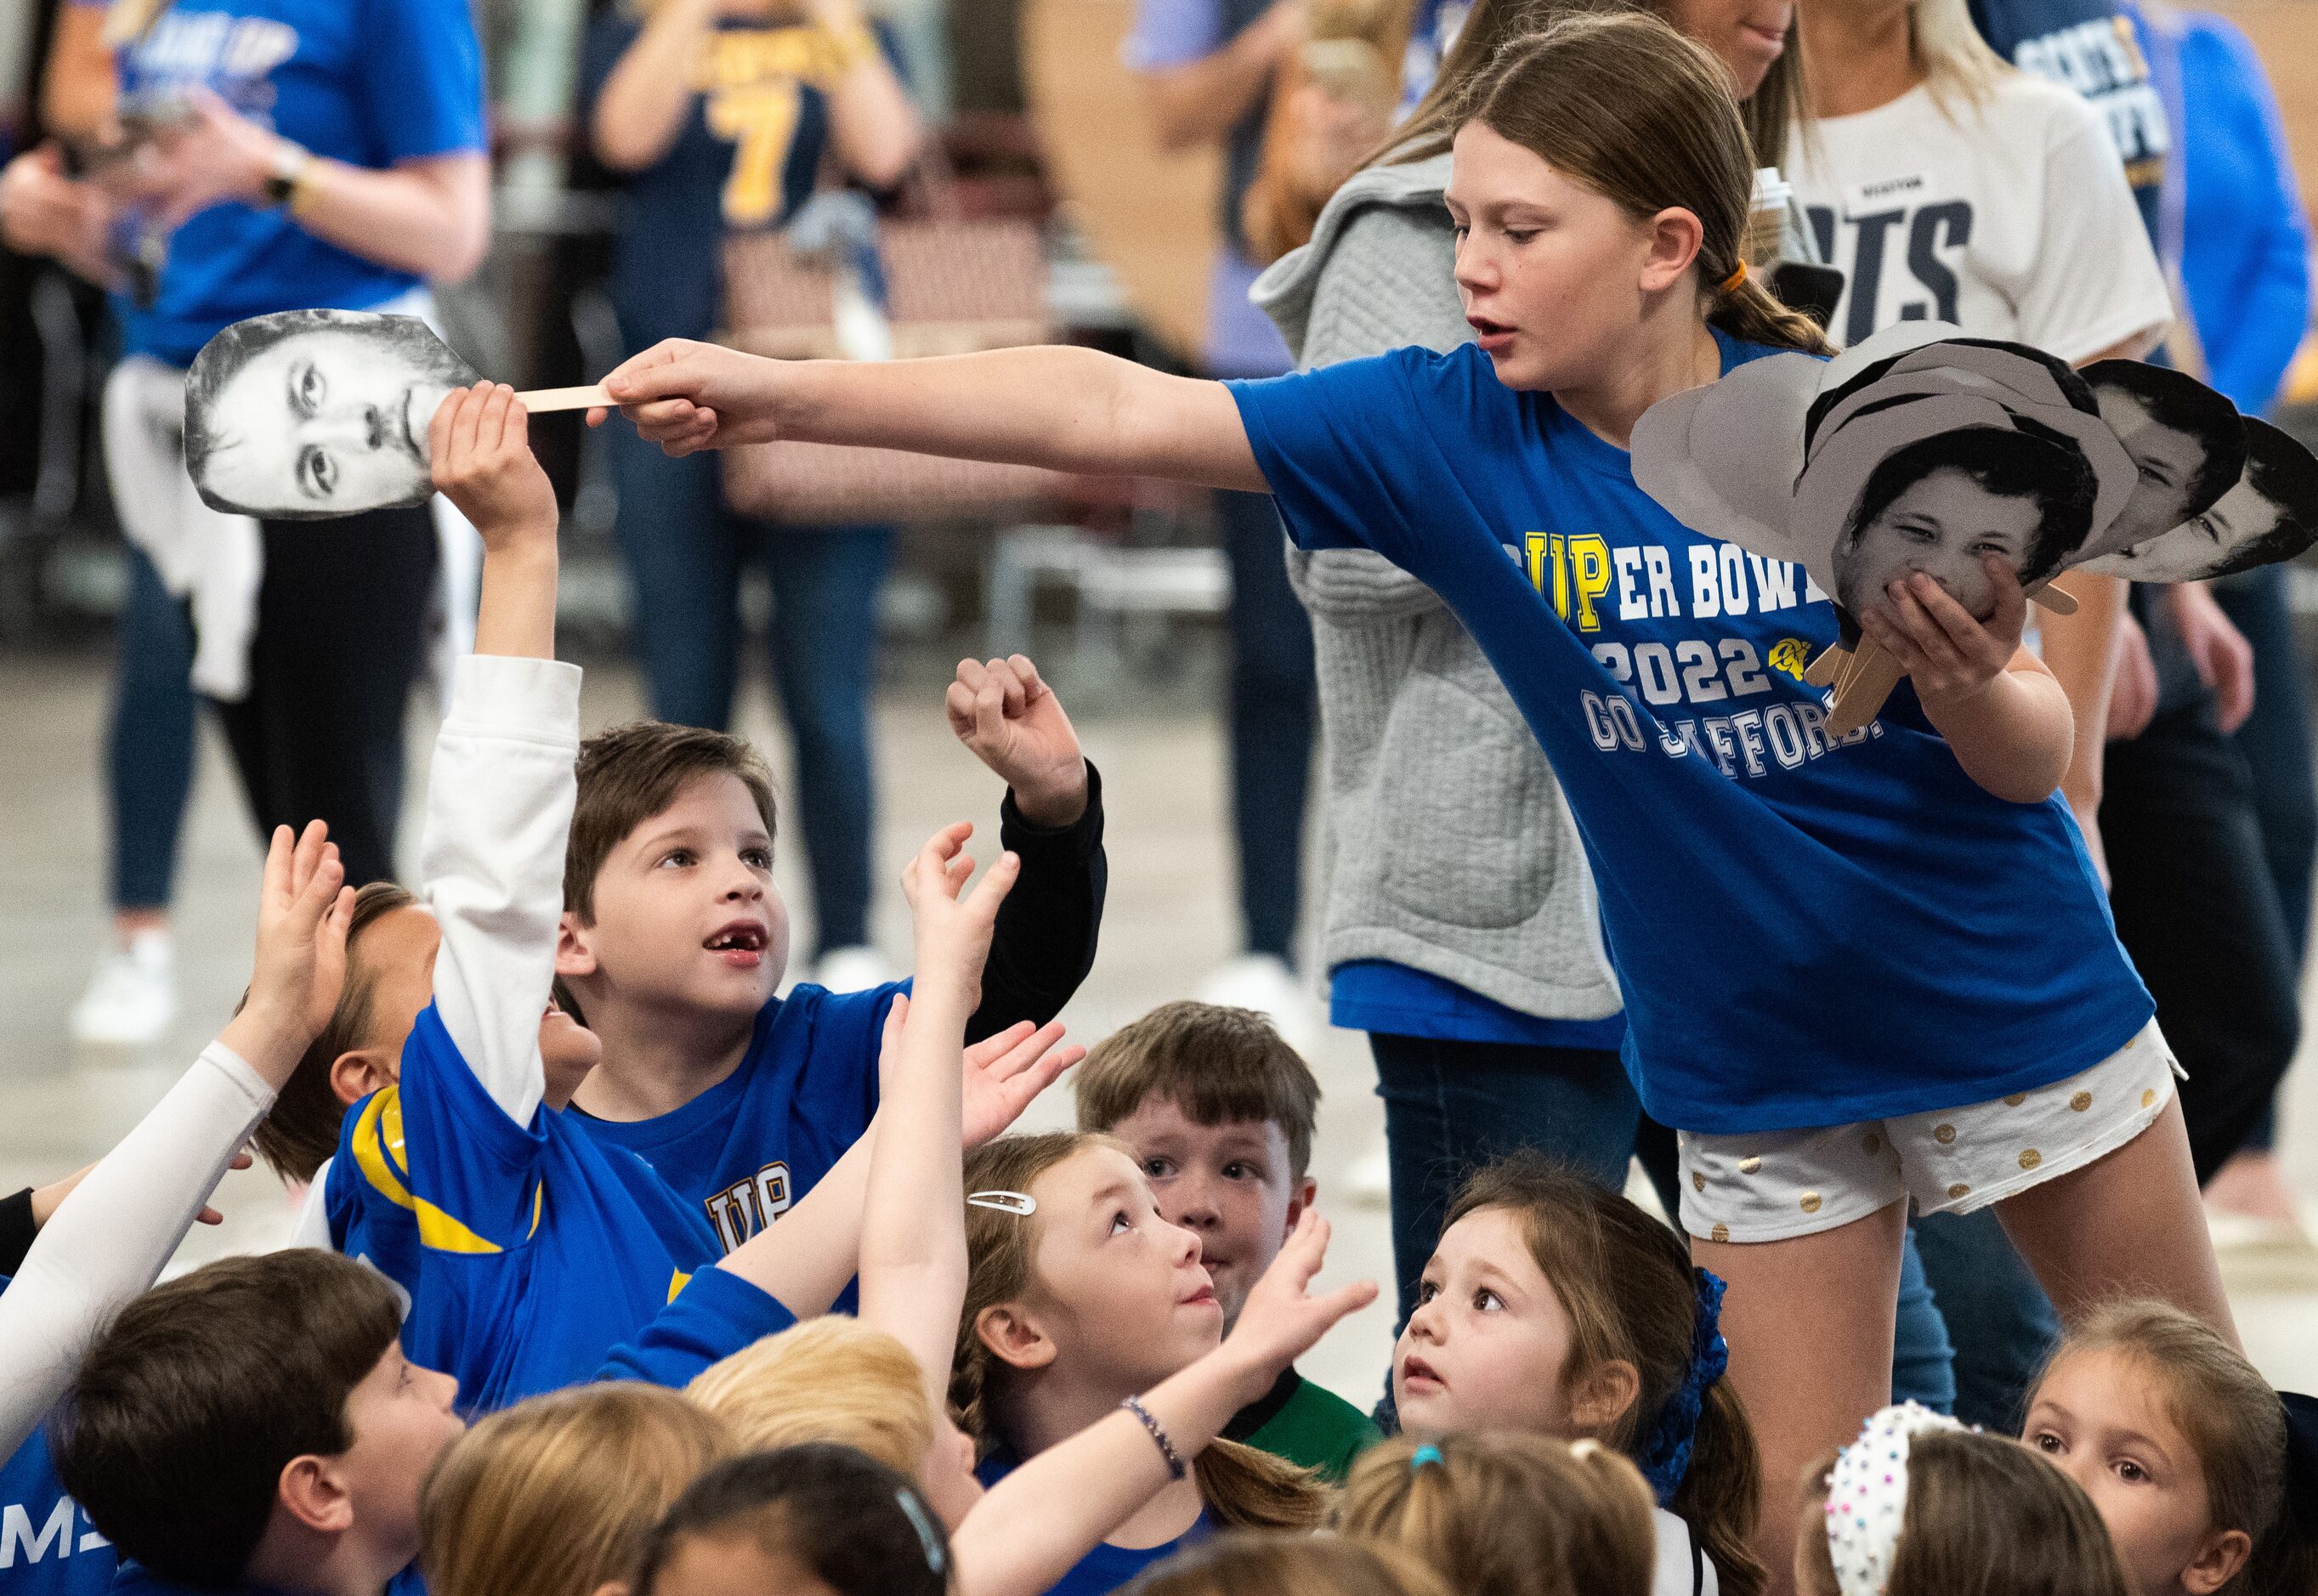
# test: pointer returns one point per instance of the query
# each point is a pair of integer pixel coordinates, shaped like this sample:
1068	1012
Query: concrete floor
1169	920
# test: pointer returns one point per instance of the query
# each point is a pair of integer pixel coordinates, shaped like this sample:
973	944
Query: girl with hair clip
1506	1515
815	1520
1828	950
1920	1506
1110	1465
1251	1562
1557	1307
2207	1477
1080	1300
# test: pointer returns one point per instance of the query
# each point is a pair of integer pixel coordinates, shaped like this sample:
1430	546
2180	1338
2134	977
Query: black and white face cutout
2271	515
314	413
2187	445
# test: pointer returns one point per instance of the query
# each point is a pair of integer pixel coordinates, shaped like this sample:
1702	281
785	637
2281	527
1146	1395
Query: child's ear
2219	1561
1013	1337
314	1495
1299	1197
355	1074
574	954
1675	237
1601	1396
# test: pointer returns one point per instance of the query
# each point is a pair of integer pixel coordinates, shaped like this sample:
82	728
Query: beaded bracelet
1175	1469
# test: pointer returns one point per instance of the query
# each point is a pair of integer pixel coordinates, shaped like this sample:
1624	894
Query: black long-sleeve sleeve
17	1230
1044	943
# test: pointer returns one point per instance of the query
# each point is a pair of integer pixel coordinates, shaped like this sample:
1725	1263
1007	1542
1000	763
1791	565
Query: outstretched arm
1060	1505
1063	408
109	1238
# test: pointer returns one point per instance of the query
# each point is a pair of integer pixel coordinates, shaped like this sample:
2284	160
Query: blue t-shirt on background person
48	1546
373	83
747	155
1108	1567
2089	46
1812	932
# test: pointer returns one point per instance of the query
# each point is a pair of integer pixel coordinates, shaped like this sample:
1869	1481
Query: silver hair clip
1020	1203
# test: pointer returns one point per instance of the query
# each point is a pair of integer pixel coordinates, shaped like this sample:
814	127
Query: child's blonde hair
1956	62
1260	1563
829	1379
1984	1516
556	1495
1505	1514
1243	1487
2231	1417
1626	1283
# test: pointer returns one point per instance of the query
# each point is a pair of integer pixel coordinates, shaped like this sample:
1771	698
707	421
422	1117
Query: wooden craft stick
1873	673
1827	668
2054	599
541	401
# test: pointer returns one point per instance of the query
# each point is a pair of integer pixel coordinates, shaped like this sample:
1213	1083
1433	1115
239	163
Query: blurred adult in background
1209	68
252	155
721	115
2233	225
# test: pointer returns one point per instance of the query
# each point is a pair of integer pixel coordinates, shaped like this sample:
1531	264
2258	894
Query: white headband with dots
1867	1496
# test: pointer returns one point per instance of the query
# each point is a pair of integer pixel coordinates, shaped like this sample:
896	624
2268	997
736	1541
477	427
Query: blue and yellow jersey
747	1149
528	1252
748	154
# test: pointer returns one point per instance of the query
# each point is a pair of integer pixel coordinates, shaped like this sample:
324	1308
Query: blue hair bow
1666	1458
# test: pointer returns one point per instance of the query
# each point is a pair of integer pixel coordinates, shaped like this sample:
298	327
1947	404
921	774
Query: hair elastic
1867	1496
1733	282
929	1538
1020	1203
1427	1453
1666	1458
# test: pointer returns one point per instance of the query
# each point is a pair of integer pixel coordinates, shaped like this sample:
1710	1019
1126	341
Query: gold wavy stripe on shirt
381	1128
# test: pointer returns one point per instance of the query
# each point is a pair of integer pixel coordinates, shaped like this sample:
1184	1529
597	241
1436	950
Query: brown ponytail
1625	1282
1245	1489
1641	116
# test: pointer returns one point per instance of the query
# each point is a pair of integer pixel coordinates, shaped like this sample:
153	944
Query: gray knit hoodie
1452	850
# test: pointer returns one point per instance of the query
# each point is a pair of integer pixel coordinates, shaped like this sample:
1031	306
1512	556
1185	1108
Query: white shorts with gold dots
1769	1187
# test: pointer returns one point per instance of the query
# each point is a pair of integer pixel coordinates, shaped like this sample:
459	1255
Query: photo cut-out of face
2188	444
308	414
2271	515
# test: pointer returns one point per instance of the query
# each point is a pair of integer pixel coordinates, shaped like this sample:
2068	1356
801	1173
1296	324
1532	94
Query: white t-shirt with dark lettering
2010	217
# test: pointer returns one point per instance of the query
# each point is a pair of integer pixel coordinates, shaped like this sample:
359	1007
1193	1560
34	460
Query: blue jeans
1274	712
684	551
150	746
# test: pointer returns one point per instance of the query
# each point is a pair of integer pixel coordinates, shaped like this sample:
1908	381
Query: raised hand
303	909
1004	712
1281	1321
478	445
1005	1074
954	931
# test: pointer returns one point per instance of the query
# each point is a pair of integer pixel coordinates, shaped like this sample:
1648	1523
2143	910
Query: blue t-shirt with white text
48	1546
1808	931
136	1580
371	83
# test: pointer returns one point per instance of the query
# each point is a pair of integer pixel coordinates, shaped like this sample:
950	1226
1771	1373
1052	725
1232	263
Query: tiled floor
1169	920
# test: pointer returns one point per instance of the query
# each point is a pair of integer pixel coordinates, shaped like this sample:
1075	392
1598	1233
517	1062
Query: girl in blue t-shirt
1860	972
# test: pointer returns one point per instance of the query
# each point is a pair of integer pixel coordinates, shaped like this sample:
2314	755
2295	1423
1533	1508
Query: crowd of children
624	1275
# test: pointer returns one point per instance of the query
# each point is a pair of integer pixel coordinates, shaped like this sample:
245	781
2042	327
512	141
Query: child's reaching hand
480	442
1947	653
953	932
1004	1073
1279	1322
1011	719
300	968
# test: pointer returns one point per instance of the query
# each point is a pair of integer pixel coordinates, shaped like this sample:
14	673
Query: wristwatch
289	168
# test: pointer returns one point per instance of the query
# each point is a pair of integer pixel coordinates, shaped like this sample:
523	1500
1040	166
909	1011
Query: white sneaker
132	998
853	969
1370	1178
1263	982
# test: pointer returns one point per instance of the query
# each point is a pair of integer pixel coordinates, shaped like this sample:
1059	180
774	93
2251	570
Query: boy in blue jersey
674	939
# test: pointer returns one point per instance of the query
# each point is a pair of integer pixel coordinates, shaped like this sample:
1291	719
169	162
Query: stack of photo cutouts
1923	450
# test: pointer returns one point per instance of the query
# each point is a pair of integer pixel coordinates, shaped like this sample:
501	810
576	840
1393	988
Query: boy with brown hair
1220	1113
